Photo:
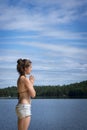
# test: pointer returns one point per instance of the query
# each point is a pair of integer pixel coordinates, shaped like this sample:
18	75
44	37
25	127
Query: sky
51	33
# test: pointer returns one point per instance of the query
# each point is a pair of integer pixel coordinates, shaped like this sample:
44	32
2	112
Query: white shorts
23	110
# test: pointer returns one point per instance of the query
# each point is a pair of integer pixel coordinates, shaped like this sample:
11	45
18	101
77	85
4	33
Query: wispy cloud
53	34
23	20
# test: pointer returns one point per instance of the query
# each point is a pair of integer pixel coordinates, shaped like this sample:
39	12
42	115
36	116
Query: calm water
47	114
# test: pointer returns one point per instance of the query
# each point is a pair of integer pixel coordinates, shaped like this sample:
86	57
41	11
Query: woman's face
28	69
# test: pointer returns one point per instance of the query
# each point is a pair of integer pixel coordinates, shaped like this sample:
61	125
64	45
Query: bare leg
20	124
24	123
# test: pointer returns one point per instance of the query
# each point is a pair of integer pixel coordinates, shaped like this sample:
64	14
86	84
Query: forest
75	90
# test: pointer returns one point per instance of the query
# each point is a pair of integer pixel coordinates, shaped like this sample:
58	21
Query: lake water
47	114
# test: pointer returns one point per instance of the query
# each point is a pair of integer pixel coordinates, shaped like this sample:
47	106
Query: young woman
25	92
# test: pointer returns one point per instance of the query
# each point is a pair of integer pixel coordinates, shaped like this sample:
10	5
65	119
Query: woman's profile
25	92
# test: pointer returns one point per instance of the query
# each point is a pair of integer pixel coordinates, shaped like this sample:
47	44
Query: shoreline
46	98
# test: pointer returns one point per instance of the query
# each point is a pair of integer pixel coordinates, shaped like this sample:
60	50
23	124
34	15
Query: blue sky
51	33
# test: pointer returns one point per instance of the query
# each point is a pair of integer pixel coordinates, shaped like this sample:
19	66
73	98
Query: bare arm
29	84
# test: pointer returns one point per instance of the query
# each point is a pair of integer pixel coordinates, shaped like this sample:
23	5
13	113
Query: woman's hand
31	78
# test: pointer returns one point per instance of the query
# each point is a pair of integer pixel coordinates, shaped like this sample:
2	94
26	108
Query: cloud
50	33
66	50
23	20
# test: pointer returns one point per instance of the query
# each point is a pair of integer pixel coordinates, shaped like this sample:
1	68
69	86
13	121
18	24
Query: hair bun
20	61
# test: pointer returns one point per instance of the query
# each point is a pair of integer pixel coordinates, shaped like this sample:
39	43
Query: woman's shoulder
21	83
24	79
21	79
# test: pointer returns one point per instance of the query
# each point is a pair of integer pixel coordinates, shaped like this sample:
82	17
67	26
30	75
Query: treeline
75	90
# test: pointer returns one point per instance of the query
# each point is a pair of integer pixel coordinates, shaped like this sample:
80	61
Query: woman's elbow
33	95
